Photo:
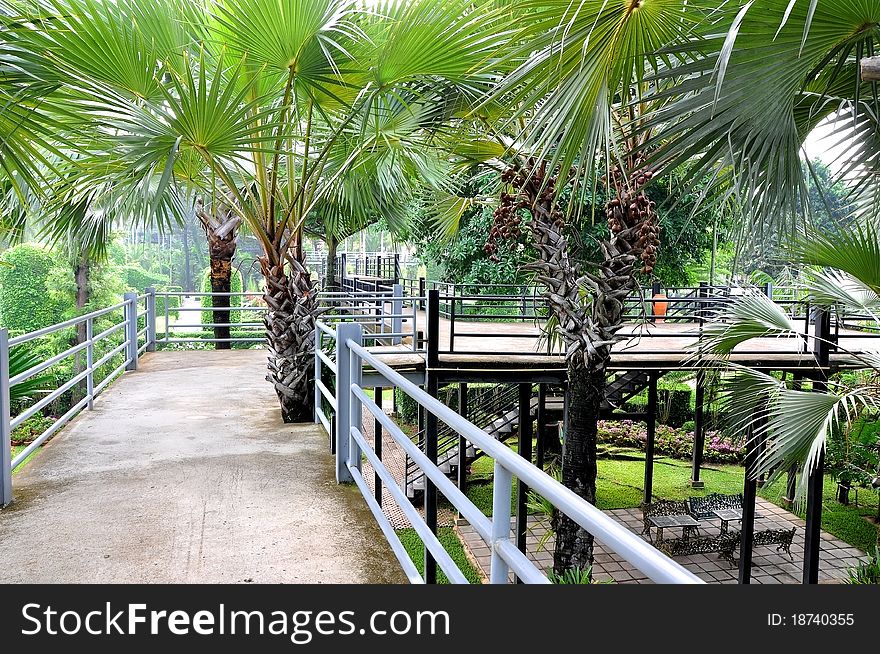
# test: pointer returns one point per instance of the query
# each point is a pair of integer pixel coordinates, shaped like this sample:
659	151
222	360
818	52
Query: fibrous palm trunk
588	325
292	301
330	269
221	232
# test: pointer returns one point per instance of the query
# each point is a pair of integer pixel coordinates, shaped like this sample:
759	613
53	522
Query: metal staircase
496	410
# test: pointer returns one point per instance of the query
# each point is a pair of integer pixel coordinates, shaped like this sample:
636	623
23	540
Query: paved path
184	472
769	566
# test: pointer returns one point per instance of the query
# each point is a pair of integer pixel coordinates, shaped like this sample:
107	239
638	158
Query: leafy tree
29	299
254	104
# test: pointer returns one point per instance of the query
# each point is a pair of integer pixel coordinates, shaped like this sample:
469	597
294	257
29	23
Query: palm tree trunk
588	328
292	301
221	231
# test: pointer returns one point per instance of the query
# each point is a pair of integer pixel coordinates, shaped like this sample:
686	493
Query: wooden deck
504	346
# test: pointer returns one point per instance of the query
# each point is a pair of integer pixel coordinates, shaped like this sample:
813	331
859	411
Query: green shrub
407	408
675	406
28	300
867	572
234	301
138	279
30	429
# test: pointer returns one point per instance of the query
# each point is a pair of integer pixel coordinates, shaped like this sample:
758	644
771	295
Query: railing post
422	290
131	328
355	408
151	318
90	362
397	312
344	332
503	480
5	418
317	396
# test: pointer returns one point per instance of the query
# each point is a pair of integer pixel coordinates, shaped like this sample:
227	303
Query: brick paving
768	565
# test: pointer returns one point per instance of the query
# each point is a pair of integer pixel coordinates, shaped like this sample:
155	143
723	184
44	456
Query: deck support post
651	424
750	494
540	443
377	444
699	429
525	434
813	529
432	361
462	441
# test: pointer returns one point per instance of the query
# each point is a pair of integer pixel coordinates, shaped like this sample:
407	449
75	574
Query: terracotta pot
659	307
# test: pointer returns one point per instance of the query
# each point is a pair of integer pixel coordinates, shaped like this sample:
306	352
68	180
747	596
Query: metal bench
724	544
783	538
704	508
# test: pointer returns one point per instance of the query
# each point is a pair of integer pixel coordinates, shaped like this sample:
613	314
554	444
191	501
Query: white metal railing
124	337
351	401
249	331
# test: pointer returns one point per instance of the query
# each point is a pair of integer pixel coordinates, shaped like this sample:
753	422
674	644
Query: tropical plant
796	424
581	98
253	104
866	572
743	120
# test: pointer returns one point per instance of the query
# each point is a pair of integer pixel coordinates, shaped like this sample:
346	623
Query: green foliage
28	300
234	301
407	408
675	405
138	279
867	572
31	428
461	259
578	576
450	542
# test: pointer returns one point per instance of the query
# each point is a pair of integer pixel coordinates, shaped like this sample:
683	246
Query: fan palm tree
768	73
254	104
583	91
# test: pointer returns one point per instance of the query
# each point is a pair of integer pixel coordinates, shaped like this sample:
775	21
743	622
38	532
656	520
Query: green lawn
450	542
621	481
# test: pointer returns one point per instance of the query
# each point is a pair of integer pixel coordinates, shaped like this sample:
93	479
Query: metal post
5	427
750	493
699	429
432	360
451	317
702	294
90	362
462	441
430	488
433	357
355	409
651	420
341	269
498	568
813	529
397	312
542	426
396	267
377	444
151	318
344	332
317	391
422	291
131	328
525	451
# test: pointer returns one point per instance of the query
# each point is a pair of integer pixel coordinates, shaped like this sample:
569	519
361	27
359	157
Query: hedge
27	301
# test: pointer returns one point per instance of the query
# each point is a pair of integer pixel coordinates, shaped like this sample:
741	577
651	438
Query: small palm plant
797	424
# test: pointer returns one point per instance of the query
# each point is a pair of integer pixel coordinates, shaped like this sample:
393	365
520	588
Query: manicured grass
621	481
450	542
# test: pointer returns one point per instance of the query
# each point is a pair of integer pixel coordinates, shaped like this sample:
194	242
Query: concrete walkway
184	472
